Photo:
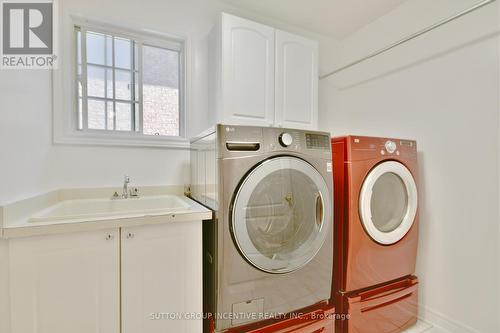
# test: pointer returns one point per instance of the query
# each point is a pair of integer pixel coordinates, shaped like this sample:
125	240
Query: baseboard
442	322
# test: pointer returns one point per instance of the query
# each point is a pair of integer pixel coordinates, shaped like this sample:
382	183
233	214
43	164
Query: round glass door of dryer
388	202
281	215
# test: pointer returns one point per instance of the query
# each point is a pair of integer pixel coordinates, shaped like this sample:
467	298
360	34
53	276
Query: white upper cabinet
296	81
247	72
261	76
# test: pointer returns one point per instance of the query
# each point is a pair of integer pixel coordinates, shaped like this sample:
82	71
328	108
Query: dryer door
281	215
388	202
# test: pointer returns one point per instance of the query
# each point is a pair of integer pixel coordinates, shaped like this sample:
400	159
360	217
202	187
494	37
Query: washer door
281	215
388	202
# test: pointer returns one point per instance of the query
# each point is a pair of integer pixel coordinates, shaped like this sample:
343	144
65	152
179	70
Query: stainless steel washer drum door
281	215
388	202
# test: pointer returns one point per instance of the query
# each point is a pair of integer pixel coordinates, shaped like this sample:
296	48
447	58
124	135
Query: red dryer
376	233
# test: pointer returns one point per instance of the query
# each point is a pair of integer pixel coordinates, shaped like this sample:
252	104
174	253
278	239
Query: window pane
123	81
95	48
120	83
96	114
122	53
123	117
160	91
109	50
136	56
109	85
95	81
110	115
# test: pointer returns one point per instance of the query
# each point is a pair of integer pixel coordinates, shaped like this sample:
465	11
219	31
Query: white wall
30	164
442	90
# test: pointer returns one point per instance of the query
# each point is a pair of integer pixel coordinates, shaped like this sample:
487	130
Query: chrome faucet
126	193
126	181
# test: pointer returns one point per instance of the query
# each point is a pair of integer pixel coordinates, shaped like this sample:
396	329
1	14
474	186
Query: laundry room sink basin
103	208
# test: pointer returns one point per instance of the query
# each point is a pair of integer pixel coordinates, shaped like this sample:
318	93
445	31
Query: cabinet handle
109	237
130	235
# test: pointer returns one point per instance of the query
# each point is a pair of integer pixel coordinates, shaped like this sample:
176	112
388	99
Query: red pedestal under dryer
376	233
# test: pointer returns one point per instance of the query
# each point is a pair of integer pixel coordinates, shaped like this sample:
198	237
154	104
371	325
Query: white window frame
65	90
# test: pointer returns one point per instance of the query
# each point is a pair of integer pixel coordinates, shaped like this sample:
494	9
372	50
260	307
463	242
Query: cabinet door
65	283
162	278
296	81
4	287
247	72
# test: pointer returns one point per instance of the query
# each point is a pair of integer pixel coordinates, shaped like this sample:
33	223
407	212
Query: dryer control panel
362	148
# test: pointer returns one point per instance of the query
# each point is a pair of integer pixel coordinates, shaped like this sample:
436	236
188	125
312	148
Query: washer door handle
319	209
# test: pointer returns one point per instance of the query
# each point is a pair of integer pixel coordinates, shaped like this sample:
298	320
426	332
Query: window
128	84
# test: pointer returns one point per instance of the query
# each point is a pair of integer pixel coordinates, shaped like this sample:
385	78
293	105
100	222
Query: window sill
92	139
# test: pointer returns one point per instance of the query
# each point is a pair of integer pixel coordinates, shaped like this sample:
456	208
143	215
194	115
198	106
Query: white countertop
16	216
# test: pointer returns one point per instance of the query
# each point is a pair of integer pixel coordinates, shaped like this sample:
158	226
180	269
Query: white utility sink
103	208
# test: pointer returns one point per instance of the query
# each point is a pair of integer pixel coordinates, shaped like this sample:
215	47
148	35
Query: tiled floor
422	327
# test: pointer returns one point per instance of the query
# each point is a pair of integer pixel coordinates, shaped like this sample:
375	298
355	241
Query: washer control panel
237	140
285	139
317	141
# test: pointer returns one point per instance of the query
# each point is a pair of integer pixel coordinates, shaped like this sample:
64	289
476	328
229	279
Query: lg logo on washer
28	34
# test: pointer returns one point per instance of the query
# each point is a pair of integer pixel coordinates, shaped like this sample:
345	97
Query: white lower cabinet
162	278
145	279
4	287
65	283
